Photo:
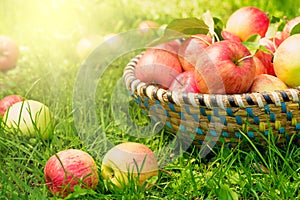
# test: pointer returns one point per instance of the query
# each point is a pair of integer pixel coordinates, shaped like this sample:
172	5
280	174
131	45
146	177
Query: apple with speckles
68	168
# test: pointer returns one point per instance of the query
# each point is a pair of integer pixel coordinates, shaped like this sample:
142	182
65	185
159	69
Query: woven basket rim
243	100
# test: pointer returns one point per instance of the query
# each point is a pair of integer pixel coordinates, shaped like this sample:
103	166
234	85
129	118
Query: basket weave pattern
221	118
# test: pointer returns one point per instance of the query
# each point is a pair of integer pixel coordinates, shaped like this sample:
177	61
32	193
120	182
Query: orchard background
48	32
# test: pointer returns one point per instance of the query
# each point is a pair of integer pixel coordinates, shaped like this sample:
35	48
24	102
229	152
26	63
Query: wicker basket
225	119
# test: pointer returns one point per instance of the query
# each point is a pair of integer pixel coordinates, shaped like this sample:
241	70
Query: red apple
259	66
267	83
267	58
288	27
190	49
159	65
8	101
184	82
68	168
248	21
9	53
129	161
229	36
225	67
287	61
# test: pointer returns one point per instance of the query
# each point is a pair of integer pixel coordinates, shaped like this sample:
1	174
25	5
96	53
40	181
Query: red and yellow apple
9	53
225	67
190	49
287	61
68	168
129	161
267	83
159	65
8	101
248	21
30	118
259	66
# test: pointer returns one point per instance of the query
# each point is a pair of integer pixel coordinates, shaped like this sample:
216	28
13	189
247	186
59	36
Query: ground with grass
48	32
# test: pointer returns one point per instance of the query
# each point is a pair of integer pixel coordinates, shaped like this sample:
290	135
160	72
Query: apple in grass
225	67
9	53
68	168
247	21
267	83
190	49
129	161
146	25
159	65
184	82
8	101
86	44
29	117
287	61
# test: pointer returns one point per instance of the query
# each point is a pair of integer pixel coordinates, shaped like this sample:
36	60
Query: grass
48	33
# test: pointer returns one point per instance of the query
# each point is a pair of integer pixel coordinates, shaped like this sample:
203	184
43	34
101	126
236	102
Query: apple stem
203	40
244	58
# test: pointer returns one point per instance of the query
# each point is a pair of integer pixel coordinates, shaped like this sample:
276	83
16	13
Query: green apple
129	161
287	61
30	118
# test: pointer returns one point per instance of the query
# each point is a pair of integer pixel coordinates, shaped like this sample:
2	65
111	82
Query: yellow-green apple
259	66
225	67
68	168
184	82
190	49
30	118
159	65
8	101
288	27
129	161
9	53
287	61
248	21
86	44
267	57
267	83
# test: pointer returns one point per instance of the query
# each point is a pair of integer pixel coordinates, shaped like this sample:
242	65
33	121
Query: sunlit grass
48	32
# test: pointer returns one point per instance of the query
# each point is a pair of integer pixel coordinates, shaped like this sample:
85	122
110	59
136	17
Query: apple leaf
218	27
295	29
188	26
252	43
181	28
275	23
209	21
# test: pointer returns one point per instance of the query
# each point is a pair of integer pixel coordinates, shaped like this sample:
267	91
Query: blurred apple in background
129	161
248	21
267	83
146	25
184	82
8	101
9	53
225	67
190	49
159	65
87	44
31	118
68	168
287	61
286	31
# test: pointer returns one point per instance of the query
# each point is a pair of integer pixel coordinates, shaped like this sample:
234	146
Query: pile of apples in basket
252	52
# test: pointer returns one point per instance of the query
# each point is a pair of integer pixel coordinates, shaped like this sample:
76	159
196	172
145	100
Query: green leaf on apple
182	28
218	27
214	24
252	43
275	23
295	29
